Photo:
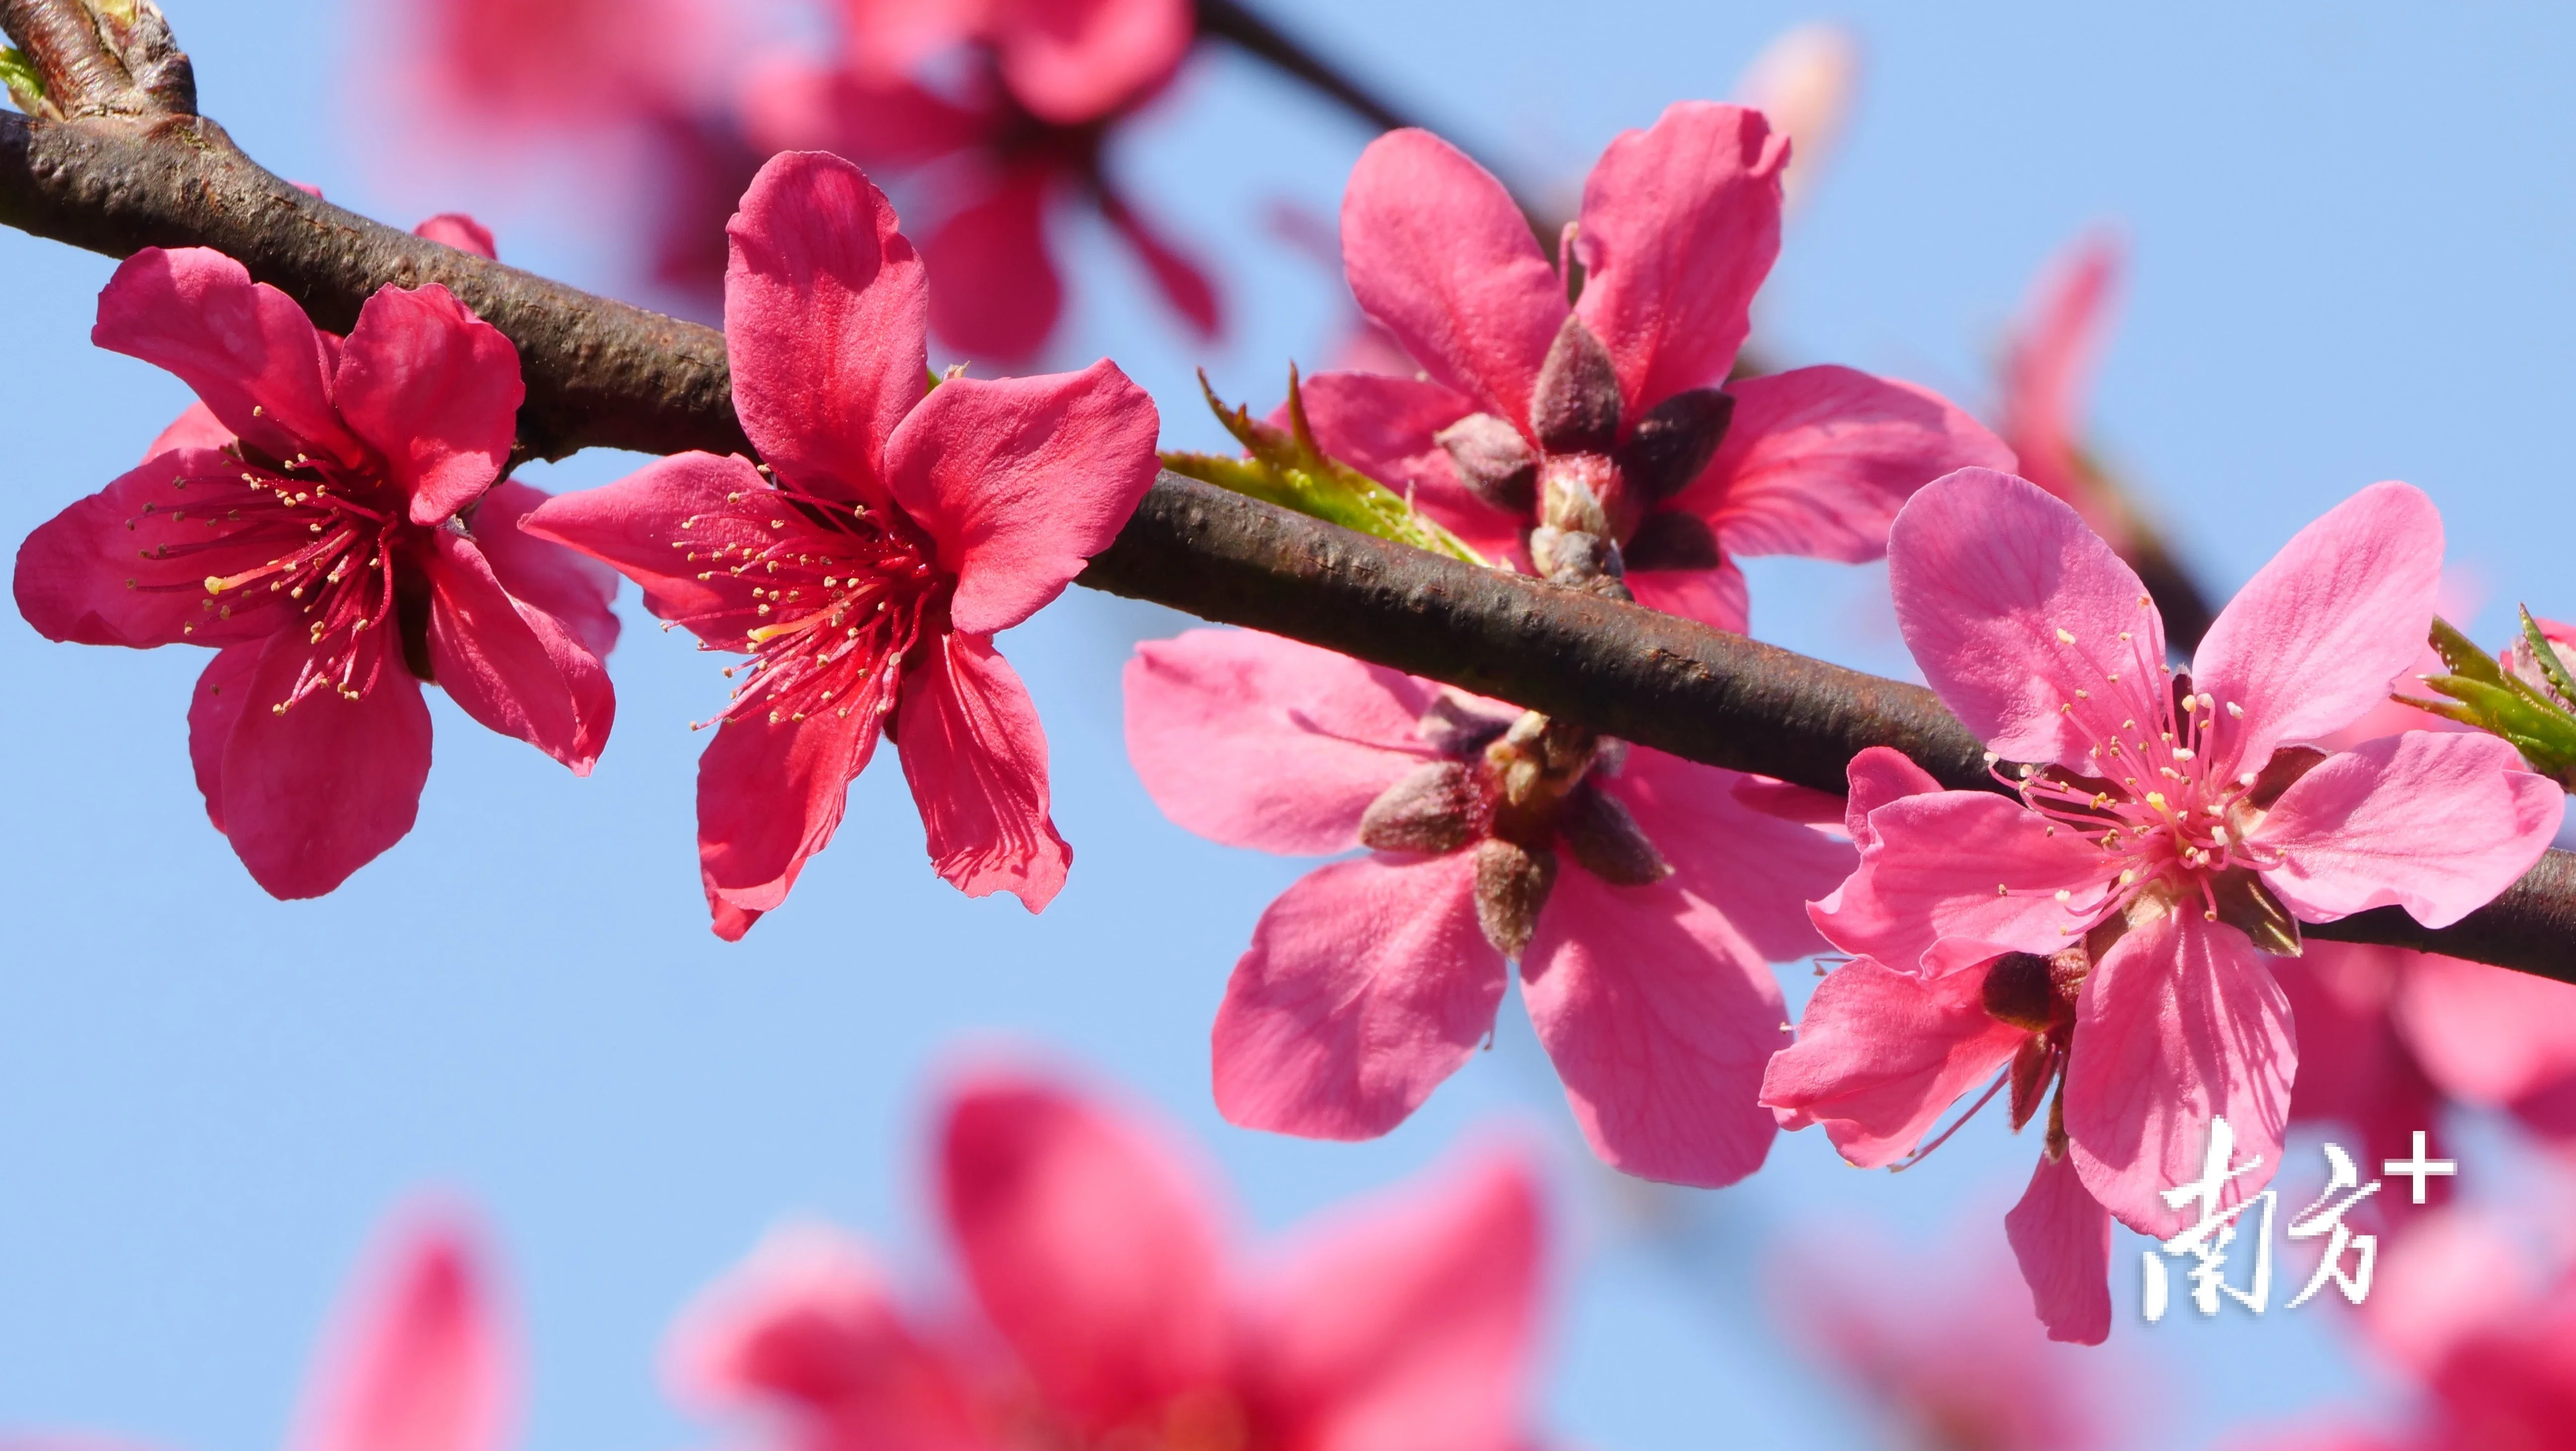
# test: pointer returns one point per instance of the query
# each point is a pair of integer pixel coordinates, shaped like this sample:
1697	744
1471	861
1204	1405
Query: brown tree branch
604	374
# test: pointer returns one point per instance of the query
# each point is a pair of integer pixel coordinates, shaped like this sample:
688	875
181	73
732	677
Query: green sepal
2544	653
1287	468
2479	692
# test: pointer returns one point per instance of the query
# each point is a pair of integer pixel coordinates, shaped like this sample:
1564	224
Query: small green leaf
1288	468
2463	655
26	85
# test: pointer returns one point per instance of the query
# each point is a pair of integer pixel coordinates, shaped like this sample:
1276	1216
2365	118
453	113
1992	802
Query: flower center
840	596
334	536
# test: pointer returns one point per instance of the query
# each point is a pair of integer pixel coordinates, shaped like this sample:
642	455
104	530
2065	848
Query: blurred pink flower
327	518
1948	1356
2525	663
2389	1037
1641	893
1111	1316
2048	370
2103	931
1805	80
416	1361
868	564
1004	108
1614	417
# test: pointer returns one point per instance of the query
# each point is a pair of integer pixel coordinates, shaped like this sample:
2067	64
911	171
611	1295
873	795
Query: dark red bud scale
1575	408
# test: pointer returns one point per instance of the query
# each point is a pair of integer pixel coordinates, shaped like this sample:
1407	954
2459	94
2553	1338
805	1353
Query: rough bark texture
115	162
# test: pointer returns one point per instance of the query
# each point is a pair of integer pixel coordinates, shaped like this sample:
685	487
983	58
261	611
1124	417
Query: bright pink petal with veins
976	760
436	392
2062	1237
2488	1035
1963	864
2011	606
195	427
1091	1246
637	526
1877	776
575	589
1367	984
1255	741
1072	61
1718	598
247	349
1882	1055
998	295
419	1363
1659	1017
313	793
2179	1023
1817	461
510	665
1438	254
1680	225
769	796
808	1321
215	703
73	571
2320	633
1409	1322
824	324
1021	480
2436	823
457	230
1756	869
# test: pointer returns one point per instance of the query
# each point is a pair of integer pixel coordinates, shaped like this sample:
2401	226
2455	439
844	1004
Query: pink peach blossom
328	519
2178	814
2048	369
867	565
1614	418
417	1359
1641	894
1110	1313
999	147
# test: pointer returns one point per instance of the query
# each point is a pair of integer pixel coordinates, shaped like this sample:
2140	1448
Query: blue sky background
2349	228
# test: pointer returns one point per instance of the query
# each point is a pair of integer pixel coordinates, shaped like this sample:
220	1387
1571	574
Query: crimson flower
1034	89
1113	1318
328	520
1604	438
417	1359
867	564
2106	931
1642	895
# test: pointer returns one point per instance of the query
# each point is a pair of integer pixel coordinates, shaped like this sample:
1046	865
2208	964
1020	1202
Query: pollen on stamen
2235	710
2183	753
2002	891
2064	636
2064	896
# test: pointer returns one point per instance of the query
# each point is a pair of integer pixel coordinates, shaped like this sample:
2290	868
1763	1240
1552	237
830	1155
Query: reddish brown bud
1674	441
1671	539
1605	840
1431	810
1492	459
2018	991
1512	884
1576	406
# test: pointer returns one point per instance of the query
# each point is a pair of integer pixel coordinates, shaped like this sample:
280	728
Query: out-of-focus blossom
1948	1356
1602	440
2107	931
867	565
1641	894
1805	81
1003	110
1110	1310
327	518
417	1360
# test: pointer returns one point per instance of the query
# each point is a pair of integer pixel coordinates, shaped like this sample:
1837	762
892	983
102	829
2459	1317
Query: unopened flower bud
1674	441
1576	406
1672	539
1430	810
1492	459
1512	883
1605	840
